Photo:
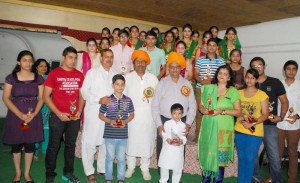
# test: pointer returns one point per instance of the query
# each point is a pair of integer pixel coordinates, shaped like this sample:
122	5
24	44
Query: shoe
91	178
16	181
71	178
31	181
50	179
129	173
100	174
268	180
35	158
146	175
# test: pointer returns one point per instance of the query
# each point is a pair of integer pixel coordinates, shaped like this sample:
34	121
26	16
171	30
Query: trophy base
119	124
271	116
210	112
24	126
73	117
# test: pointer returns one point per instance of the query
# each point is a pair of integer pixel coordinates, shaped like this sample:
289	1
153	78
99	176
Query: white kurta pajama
171	156
142	129
97	84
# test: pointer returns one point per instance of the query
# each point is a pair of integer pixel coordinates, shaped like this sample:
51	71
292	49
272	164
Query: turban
178	58
141	55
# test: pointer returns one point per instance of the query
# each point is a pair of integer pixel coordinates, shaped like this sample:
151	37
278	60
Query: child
116	114
172	156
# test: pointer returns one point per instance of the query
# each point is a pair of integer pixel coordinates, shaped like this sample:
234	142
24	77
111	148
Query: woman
196	36
175	31
229	43
220	103
42	68
104	44
249	128
89	59
22	95
142	36
115	37
215	31
168	44
187	72
191	46
134	42
203	48
239	71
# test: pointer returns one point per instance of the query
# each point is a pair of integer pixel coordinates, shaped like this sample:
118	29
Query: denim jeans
247	149
271	144
56	130
115	148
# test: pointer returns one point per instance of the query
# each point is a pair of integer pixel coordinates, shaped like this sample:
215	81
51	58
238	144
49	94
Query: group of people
134	88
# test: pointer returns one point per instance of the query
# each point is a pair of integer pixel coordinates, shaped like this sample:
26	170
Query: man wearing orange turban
178	58
141	55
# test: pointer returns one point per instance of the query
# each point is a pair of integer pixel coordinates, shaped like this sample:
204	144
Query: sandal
91	178
108	181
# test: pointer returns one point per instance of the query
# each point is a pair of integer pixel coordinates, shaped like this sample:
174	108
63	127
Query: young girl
42	68
238	71
172	153
22	95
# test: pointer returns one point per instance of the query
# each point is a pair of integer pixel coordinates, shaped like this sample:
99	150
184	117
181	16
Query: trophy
73	109
251	119
208	71
209	109
25	126
175	140
119	116
290	117
271	116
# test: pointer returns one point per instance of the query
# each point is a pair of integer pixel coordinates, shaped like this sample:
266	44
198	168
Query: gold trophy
208	71
251	118
290	117
73	108
119	116
175	140
271	116
209	109
25	126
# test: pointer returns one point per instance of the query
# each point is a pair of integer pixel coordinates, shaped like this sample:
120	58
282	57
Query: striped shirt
208	66
123	106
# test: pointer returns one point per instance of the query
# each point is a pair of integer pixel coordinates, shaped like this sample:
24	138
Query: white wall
276	42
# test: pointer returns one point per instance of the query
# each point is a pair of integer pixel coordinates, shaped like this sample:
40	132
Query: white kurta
97	84
142	129
171	156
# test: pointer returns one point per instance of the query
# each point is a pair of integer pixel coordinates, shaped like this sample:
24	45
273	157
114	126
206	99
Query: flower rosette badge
148	93
186	91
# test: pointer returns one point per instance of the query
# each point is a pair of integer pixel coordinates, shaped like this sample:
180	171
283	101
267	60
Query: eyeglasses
258	66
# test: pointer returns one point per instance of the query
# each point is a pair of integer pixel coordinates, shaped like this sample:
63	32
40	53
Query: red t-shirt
65	88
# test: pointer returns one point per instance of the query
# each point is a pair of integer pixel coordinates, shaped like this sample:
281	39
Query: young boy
116	115
172	153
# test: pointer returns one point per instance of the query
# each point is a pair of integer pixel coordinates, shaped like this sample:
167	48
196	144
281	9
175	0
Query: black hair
126	28
91	39
123	31
155	29
69	49
143	32
231	29
257	59
187	26
207	32
106	50
180	42
104	38
174	28
118	77
151	33
37	63
212	40
134	26
20	56
169	32
107	29
290	62
228	68
195	32
116	29
176	107
254	73
234	51
213	27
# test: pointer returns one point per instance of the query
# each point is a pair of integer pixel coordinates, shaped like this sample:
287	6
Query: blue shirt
121	105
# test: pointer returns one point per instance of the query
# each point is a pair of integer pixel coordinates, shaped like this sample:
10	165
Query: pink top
122	59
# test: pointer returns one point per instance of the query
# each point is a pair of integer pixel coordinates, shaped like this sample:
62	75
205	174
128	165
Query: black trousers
56	130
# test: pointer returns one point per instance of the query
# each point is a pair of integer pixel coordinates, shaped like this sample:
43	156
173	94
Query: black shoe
71	178
16	181
50	179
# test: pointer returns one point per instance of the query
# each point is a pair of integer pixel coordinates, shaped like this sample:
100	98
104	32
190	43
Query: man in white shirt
289	128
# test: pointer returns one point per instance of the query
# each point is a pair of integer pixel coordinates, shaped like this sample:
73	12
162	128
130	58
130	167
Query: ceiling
201	14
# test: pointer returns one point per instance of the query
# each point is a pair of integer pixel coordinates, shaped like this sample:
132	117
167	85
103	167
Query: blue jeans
115	148
247	148
271	144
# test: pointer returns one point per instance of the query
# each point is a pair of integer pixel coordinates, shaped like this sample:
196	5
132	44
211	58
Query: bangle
223	112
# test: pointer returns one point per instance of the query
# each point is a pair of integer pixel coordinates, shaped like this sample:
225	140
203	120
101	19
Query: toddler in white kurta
172	153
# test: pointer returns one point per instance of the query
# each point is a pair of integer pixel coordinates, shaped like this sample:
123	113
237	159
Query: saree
216	138
86	63
136	46
191	48
224	52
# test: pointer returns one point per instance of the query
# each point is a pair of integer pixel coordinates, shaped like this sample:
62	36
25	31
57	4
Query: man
122	54
173	89
62	96
95	89
157	56
141	130
289	128
205	70
275	90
